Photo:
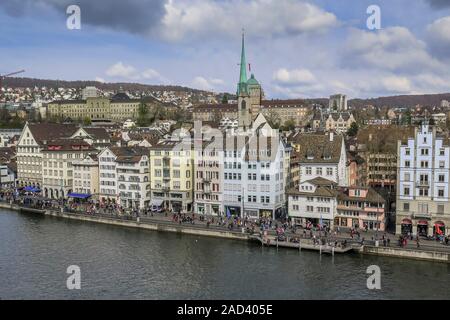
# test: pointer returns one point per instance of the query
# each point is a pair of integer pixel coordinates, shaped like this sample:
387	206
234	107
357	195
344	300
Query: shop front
422	228
264	213
232	211
406	226
439	229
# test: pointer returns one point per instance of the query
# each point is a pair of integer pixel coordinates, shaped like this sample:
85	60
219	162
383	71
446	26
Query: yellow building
57	165
172	175
119	108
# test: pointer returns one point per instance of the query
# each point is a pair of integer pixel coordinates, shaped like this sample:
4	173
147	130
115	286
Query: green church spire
242	85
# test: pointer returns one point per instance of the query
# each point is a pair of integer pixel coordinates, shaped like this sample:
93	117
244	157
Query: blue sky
297	49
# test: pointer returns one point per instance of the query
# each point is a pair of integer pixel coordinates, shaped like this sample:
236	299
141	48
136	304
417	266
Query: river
121	263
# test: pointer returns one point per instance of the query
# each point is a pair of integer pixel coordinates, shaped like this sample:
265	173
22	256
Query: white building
90	92
315	202
254	175
124	176
423	184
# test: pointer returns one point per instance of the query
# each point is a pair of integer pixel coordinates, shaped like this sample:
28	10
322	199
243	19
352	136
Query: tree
273	118
289	125
87	121
225	98
353	130
143	114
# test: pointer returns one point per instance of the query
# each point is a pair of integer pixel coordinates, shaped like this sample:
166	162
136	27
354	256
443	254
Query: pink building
360	207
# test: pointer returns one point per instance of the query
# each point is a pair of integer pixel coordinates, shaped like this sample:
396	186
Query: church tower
243	94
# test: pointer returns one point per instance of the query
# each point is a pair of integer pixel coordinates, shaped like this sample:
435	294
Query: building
32	141
90	92
172	175
360	207
124	177
7	177
118	108
321	155
57	165
287	110
423	206
86	176
339	121
314	202
337	103
208	166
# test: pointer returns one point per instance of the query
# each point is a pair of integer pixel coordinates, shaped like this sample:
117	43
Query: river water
121	263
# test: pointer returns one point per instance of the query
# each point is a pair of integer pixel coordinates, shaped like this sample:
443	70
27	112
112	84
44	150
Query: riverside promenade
429	250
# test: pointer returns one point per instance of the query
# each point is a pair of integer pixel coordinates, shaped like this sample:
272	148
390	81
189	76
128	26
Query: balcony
421	215
423	183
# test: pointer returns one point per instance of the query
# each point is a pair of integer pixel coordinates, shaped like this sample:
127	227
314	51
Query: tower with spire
249	93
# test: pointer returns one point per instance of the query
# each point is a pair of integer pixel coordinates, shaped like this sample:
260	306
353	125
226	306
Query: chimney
331	136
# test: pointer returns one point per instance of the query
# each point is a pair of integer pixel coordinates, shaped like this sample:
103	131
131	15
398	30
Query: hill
17	82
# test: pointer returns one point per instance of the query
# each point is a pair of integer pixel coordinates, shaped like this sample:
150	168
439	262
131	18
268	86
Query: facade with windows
313	203
208	179
172	175
57	165
86	177
423	206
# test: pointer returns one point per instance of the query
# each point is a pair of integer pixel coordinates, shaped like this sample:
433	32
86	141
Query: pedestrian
417	241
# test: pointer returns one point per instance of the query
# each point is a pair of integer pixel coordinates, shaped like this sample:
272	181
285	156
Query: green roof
252	80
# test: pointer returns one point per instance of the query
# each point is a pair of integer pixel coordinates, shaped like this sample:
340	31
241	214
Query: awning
31	189
439	224
79	195
406	221
157	202
422	223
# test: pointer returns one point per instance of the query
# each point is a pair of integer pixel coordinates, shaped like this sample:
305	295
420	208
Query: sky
295	48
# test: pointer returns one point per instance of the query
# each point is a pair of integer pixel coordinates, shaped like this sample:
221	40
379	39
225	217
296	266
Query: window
424	164
423	207
440	193
329	171
407	177
440	209
423	192
406	191
441	178
441	164
308	170
406	206
442	152
424	152
319	171
407	151
407	164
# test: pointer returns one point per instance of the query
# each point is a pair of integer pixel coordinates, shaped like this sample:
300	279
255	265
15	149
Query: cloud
263	18
100	79
203	83
119	70
438	37
439	4
129	72
134	16
394	49
176	20
151	74
294	77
